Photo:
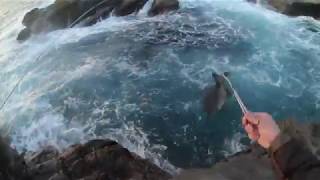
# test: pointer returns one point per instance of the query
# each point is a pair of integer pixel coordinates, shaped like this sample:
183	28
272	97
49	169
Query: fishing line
80	18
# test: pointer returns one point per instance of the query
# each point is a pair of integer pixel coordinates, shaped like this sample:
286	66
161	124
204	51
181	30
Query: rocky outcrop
162	6
249	165
12	165
129	6
303	9
296	7
65	13
254	163
68	13
107	160
95	160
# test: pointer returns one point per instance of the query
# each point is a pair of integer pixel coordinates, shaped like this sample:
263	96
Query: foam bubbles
233	145
49	130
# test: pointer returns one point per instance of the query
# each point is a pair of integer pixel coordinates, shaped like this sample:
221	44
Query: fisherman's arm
292	160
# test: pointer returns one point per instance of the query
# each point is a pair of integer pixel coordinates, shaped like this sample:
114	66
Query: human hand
261	128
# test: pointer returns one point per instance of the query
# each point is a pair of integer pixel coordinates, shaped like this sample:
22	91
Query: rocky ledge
95	160
68	13
294	7
107	160
298	7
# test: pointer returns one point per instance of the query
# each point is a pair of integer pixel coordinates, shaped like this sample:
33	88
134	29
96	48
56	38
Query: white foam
233	145
48	130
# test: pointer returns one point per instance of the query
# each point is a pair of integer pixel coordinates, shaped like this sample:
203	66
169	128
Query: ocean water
140	80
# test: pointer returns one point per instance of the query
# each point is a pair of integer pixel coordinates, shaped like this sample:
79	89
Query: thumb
251	118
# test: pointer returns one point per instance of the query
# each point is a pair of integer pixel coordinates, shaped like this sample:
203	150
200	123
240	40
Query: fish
216	95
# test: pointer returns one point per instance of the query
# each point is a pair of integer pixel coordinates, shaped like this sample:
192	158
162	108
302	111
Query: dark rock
68	13
162	6
63	13
34	158
303	9
24	34
91	11
30	17
12	164
297	8
44	170
96	160
58	177
99	143
243	166
129	6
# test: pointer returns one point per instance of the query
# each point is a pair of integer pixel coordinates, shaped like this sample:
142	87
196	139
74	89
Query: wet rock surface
129	6
95	160
295	7
107	160
12	164
162	6
68	13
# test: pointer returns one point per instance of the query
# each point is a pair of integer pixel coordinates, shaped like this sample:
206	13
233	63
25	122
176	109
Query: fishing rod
243	107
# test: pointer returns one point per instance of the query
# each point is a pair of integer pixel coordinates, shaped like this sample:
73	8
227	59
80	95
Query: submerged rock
68	13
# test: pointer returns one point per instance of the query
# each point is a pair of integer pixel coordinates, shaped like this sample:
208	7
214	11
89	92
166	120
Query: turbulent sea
140	80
